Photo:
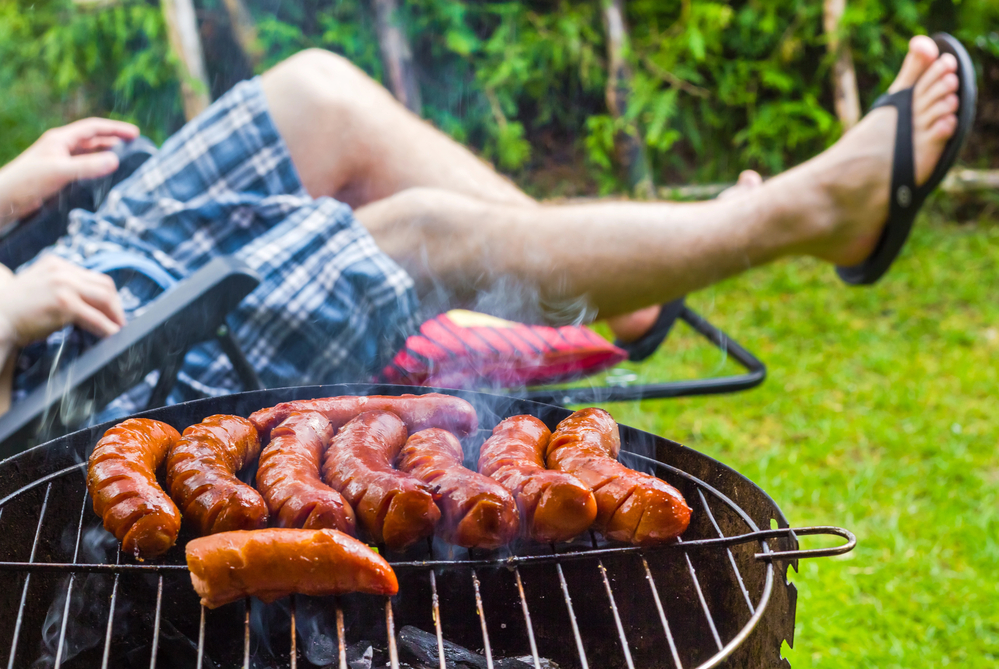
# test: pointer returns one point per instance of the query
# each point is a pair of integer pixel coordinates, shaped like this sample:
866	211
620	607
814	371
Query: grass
879	415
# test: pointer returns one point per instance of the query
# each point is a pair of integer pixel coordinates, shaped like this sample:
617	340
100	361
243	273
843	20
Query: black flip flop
646	345
907	198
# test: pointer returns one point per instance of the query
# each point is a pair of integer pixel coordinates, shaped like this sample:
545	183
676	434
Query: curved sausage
418	412
554	506
477	512
201	475
269	564
395	508
288	476
121	479
631	506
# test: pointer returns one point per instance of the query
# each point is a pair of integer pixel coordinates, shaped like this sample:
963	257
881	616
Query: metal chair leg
247	375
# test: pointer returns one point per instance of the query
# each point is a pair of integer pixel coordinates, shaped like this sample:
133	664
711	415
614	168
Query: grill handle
791	532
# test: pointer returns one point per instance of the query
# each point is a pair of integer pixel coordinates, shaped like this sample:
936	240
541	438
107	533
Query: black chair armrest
190	313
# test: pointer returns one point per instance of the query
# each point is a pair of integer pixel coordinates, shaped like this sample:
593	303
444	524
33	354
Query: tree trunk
245	31
397	56
847	99
630	144
182	29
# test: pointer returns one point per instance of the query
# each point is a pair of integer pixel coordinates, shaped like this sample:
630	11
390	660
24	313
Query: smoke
78	615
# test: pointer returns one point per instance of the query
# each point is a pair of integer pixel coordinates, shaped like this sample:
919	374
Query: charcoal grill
719	596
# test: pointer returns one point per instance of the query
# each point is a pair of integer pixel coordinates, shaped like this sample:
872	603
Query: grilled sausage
269	564
201	476
288	476
418	412
121	479
631	506
394	508
554	506
477	512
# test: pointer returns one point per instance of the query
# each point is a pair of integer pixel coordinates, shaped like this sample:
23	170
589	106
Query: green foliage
60	61
717	86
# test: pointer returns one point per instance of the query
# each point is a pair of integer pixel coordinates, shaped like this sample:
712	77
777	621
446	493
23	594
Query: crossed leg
460	229
351	140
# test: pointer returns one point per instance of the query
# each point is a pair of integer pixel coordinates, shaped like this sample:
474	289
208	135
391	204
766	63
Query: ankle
800	210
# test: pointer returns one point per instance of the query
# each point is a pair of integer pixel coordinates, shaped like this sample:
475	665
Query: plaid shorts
331	306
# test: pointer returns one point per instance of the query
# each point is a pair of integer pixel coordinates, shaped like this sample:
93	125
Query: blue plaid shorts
331	306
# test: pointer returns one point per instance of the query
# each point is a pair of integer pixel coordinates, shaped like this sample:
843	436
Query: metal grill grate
717	594
755	602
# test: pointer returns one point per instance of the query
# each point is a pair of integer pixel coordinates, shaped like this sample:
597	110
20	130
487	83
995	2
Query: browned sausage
477	512
418	412
395	508
121	479
201	476
269	564
288	476
631	506
554	506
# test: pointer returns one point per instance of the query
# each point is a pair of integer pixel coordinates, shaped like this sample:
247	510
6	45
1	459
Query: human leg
632	327
351	140
625	256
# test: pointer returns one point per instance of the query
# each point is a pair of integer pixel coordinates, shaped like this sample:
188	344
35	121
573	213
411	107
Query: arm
7	356
45	297
59	157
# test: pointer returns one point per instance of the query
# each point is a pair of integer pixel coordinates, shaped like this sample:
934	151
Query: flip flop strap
905	194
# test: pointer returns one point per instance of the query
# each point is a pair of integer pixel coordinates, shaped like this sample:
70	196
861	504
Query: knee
321	63
414	217
319	78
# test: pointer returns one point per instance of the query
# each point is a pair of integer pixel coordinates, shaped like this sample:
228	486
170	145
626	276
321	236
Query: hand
53	293
59	157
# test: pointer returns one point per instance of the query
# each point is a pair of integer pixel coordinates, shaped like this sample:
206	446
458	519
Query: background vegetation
718	86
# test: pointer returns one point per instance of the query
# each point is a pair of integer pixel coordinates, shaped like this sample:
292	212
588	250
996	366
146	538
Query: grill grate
704	596
596	552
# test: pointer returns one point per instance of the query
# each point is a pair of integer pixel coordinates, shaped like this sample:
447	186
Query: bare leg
625	256
631	327
350	139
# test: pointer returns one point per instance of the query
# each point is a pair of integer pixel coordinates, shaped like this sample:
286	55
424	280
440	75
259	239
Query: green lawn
879	415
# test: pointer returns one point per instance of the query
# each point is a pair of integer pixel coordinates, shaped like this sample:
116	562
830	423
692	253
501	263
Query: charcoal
545	663
422	648
365	655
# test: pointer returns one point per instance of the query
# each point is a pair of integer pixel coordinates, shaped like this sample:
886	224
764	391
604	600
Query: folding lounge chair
194	311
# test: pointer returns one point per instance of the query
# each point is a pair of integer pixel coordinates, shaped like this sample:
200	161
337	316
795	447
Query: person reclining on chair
354	211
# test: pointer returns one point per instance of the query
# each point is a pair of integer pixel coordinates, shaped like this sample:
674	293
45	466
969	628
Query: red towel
464	349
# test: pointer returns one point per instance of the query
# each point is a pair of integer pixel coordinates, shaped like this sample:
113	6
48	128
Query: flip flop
646	345
907	198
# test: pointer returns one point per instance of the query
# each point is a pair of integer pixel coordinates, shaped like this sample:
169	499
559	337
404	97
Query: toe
944	128
922	54
941	108
940	89
750	179
940	70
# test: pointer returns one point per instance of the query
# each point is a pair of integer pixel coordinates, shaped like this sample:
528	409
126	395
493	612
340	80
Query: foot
856	171
748	181
632	327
